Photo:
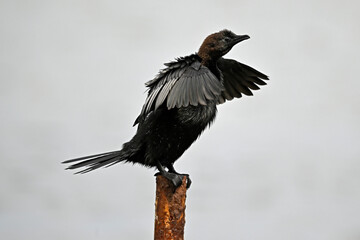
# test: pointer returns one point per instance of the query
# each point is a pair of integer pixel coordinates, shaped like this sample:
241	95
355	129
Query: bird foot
176	178
188	180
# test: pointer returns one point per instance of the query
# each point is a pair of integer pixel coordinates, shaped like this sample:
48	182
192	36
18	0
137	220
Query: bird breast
200	115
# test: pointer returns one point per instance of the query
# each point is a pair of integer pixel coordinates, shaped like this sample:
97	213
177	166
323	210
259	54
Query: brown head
218	44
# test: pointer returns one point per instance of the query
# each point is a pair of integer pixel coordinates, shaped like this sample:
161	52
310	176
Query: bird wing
238	79
183	83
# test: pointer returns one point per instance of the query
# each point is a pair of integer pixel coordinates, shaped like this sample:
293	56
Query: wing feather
186	82
197	85
173	97
212	84
233	87
192	91
151	98
238	79
164	92
205	90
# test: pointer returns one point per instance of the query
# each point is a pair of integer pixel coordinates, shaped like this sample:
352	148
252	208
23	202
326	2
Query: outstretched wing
238	79
183	83
197	85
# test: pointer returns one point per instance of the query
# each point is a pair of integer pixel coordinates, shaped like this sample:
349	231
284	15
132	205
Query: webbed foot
174	178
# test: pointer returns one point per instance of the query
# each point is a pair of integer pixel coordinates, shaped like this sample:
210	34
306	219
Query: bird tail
96	161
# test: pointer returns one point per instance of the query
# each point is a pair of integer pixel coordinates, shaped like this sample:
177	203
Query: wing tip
265	77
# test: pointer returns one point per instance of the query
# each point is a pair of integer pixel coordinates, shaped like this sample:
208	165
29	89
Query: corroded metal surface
169	210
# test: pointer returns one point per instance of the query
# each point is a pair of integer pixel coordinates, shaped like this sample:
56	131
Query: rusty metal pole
169	210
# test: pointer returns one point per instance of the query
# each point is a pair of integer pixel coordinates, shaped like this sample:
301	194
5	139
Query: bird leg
172	170
173	177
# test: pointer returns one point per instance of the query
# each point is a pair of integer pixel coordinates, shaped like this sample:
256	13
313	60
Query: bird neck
210	63
206	58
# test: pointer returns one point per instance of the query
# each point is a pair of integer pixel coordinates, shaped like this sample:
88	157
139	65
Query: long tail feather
96	161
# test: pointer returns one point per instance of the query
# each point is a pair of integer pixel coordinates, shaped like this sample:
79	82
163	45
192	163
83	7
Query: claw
188	181
176	180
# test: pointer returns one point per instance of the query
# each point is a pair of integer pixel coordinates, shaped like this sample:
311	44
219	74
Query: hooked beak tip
240	38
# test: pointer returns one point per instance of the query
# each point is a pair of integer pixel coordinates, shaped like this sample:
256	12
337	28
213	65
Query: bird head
218	44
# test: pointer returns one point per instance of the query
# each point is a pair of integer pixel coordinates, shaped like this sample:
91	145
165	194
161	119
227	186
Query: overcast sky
283	164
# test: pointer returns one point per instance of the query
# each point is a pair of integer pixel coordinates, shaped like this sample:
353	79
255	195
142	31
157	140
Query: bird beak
239	38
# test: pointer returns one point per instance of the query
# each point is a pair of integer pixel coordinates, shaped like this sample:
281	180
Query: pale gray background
283	164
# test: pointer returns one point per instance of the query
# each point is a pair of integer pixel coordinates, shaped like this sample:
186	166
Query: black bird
180	104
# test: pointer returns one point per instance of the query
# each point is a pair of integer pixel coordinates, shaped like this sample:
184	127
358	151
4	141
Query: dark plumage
181	103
